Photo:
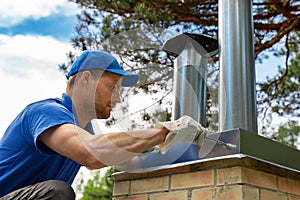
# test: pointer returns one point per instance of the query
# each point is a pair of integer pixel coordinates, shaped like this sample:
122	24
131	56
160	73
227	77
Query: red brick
294	198
121	188
149	185
293	186
229	175
237	192
204	194
259	178
282	184
134	197
178	195
270	195
229	192
193	179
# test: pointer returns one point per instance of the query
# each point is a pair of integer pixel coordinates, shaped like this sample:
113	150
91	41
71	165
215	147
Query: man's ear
86	76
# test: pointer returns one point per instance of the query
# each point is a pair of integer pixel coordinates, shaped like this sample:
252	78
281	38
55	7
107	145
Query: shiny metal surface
227	144
191	52
251	145
237	94
190	85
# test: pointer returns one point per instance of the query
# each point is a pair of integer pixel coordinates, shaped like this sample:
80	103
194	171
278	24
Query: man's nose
116	97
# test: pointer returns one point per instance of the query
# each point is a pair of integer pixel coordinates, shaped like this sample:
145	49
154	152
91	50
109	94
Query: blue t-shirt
24	160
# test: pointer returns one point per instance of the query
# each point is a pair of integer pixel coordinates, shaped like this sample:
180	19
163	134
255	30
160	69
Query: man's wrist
165	132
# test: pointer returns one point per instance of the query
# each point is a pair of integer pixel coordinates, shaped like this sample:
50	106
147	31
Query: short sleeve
42	116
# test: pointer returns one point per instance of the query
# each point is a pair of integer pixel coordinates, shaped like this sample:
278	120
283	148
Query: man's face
107	94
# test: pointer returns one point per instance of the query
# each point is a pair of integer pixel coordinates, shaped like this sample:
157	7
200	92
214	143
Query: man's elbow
93	163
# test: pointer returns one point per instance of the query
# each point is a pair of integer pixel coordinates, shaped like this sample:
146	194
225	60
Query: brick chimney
235	163
225	178
257	169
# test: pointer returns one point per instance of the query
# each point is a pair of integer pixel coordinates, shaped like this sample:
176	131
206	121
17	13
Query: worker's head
94	83
99	60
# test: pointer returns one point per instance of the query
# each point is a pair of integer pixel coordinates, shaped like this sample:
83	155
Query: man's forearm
139	140
119	147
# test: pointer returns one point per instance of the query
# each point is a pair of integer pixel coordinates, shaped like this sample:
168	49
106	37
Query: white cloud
18	92
22	54
15	11
28	72
69	8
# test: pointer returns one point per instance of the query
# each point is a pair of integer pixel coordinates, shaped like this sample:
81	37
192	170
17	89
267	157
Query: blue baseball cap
96	59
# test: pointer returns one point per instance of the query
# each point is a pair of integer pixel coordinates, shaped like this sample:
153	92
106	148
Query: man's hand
165	131
184	129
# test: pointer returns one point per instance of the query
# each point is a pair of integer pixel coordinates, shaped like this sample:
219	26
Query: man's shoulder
45	103
51	107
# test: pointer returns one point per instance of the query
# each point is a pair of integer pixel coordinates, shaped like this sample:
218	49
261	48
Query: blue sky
34	39
58	26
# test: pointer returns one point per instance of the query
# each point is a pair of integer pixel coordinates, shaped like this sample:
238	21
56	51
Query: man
46	144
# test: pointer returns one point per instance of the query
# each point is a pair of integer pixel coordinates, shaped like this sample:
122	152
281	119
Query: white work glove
184	129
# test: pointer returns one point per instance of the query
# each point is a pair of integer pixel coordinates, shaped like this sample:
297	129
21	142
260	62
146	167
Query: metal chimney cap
205	45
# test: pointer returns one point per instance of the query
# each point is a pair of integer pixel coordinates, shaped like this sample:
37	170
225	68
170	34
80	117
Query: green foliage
99	187
281	94
135	30
288	134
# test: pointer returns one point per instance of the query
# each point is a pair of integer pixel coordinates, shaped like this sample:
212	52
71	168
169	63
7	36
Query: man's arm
97	151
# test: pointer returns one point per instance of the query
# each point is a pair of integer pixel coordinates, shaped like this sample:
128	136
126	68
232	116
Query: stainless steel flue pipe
191	52
237	93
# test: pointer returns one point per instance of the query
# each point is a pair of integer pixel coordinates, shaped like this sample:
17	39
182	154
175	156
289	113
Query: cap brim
128	79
